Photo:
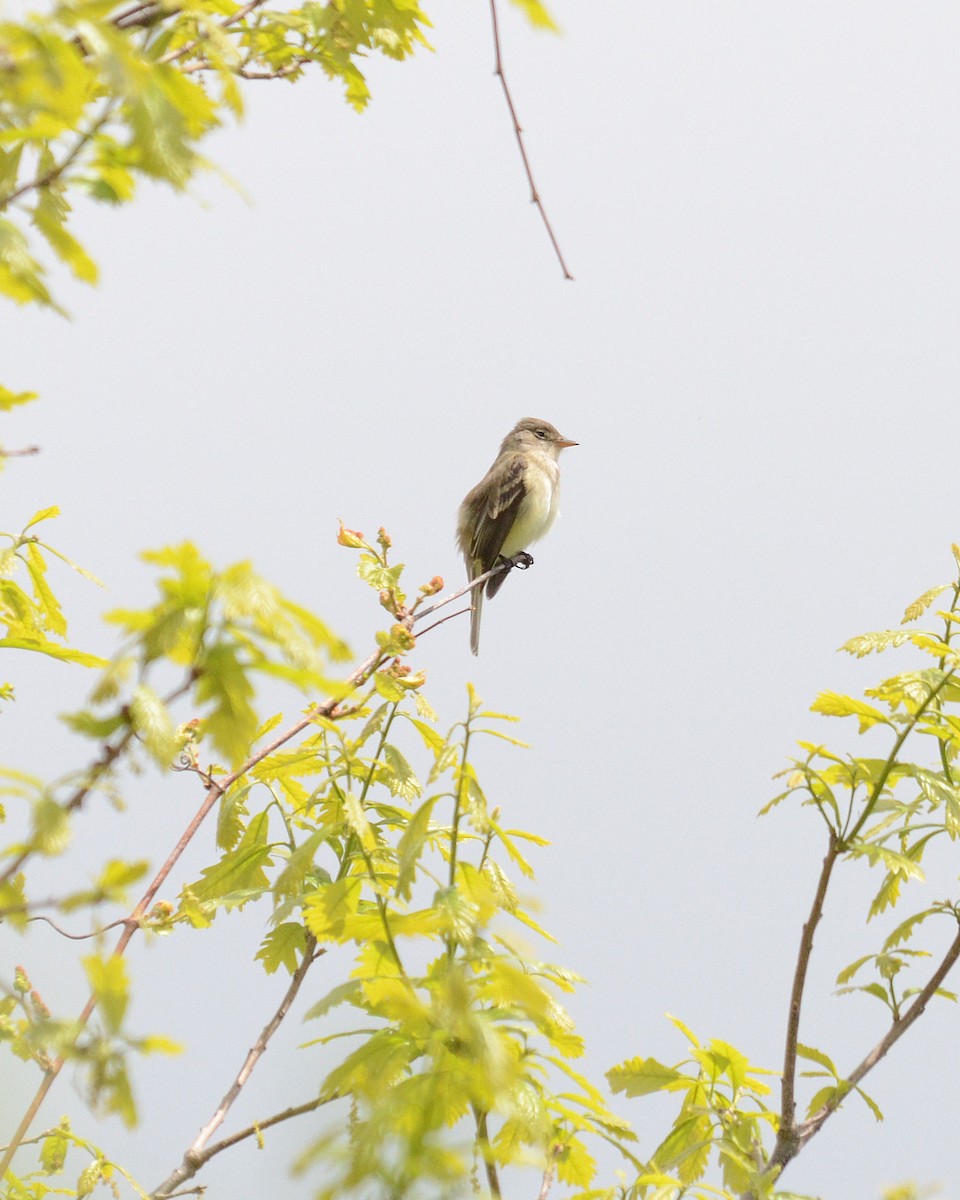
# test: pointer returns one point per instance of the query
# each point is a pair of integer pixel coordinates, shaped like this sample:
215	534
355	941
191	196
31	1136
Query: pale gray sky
759	357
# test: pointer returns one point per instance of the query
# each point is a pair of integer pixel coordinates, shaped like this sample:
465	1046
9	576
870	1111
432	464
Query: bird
512	506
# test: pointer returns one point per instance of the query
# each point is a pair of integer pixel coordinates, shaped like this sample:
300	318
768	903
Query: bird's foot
523	560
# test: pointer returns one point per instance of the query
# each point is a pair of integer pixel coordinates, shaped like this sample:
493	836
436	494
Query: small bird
513	505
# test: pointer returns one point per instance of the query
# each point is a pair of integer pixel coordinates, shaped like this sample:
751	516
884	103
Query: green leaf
825	1095
922	603
300	864
388	686
327	910
9	400
48	217
537	14
410	847
643	1076
43	514
92	726
348	992
685	1030
904	930
53	1149
224	684
867	643
110	986
817	1056
833	704
283	947
231	815
401	780
53	650
870	1103
848	973
239	872
152	721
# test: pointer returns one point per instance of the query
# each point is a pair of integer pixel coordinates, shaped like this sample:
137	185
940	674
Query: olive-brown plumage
513	506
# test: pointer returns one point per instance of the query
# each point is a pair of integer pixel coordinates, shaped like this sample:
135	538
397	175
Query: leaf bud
384	538
350	537
402	637
38	1005
21	982
388	599
435	585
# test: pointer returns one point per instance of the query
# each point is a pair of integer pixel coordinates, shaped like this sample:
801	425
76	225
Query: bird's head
533	434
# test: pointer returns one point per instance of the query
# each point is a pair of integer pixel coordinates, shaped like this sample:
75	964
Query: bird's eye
541	434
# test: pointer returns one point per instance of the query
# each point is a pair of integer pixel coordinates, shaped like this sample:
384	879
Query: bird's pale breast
538	509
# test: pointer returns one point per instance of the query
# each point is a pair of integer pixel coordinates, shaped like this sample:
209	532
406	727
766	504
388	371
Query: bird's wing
499	513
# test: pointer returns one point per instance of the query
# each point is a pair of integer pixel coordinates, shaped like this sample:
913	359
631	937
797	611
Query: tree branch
518	130
483	1142
215	789
58	169
239	15
194	1158
109	754
506	564
896	1031
787	1143
257	1128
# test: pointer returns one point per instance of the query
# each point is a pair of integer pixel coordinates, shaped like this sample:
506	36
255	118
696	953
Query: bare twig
518	130
483	1142
20	453
896	1031
140	15
79	937
448	617
787	1140
284	72
505	564
547	1181
258	1127
194	1158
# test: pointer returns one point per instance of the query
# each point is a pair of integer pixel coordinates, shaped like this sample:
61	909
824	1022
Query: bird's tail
477	596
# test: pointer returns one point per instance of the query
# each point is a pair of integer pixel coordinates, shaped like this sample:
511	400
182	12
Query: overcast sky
759	358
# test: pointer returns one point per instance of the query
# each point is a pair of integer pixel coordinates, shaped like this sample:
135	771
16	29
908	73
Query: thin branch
109	754
443	620
331	708
896	1031
79	937
518	130
547	1181
20	453
891	759
141	16
58	169
786	1144
483	1143
193	1158
505	564
258	1127
284	72
239	15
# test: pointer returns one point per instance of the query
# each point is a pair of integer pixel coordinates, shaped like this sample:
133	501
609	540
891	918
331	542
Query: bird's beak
563	443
